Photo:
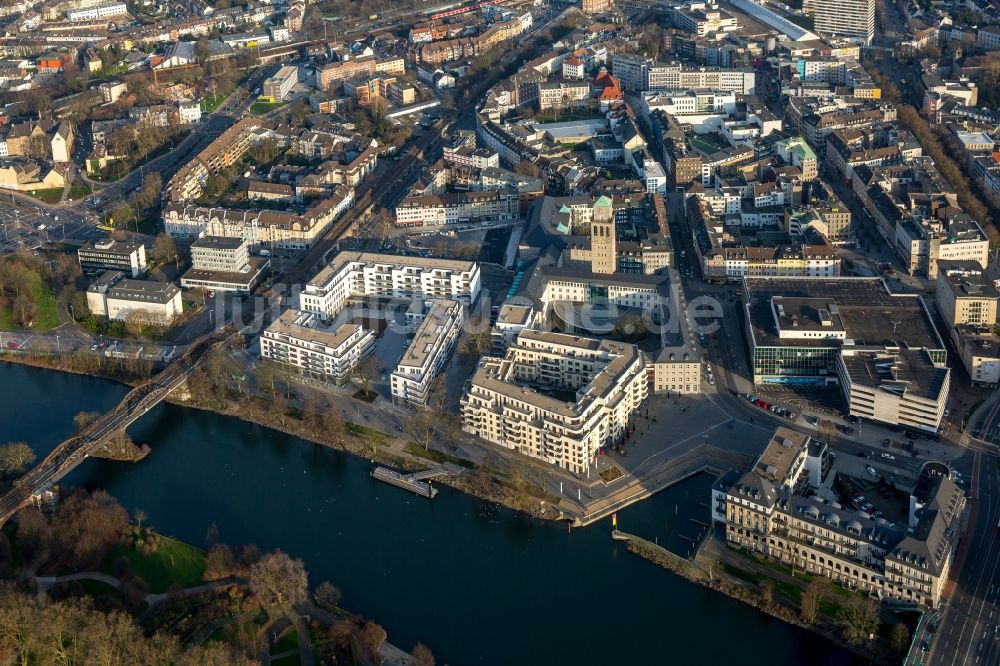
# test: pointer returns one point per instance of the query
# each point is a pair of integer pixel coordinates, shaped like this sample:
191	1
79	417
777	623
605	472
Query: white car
871	471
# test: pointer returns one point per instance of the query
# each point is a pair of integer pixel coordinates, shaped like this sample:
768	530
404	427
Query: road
76	221
969	632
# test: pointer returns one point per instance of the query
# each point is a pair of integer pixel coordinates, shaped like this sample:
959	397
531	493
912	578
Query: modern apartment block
423	360
300	340
556	397
845	18
111	255
771	510
387	275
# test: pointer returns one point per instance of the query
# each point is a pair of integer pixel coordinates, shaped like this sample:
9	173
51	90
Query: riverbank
278	414
483	484
762	590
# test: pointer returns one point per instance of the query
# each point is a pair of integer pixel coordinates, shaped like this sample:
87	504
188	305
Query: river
477	583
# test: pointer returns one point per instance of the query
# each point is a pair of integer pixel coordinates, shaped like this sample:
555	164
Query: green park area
172	563
44	318
51	195
260	108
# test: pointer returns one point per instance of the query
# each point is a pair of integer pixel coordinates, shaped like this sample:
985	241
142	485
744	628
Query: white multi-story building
458	207
220	253
111	255
427	354
606	379
113	296
674	76
369	274
189	113
845	18
94	13
276	88
302	341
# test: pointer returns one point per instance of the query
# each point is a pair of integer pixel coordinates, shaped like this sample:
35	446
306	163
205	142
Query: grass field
173	563
260	108
365	432
46	317
289	641
52	195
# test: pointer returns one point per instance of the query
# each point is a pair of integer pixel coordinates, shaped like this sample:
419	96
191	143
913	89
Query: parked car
812	420
888	456
871	471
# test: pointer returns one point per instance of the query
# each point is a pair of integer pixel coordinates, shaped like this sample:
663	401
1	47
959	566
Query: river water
478	583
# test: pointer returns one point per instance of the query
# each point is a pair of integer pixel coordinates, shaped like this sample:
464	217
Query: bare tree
900	638
365	371
84	419
859	618
372	638
421	428
15	457
328	595
138	516
421	656
276	579
811	599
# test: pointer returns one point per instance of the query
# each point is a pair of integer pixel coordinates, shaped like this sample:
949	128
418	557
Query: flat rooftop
907	371
869	313
333	336
776	460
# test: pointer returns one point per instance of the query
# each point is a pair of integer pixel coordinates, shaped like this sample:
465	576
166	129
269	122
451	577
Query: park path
153	601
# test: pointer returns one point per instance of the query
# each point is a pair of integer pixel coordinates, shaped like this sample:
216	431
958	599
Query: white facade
94	13
299	340
361	273
608	378
427	354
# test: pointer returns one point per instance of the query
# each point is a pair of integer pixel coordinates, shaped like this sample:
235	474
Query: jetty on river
415	482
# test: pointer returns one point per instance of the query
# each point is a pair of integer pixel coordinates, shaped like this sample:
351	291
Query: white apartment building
300	340
189	113
370	274
845	18
220	253
562	94
510	402
94	13
427	354
458	207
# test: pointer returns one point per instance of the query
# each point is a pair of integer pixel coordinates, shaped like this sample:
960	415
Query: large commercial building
300	340
112	255
114	296
222	263
387	275
772	510
881	348
637	73
844	18
556	397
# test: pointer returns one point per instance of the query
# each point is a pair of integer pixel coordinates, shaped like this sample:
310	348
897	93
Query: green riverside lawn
173	564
